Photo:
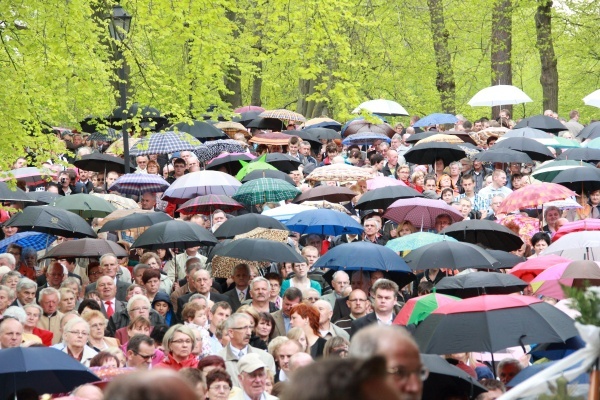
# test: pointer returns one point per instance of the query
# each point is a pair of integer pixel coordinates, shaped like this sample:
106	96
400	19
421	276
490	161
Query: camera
63	180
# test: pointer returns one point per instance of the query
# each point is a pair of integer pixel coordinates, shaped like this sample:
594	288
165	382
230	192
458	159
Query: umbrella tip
433	290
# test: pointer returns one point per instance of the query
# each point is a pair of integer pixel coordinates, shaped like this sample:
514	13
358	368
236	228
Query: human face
4	300
285	352
142	162
403	174
447	197
595	197
384	301
311	256
219	218
77	336
540	246
442	223
133	292
152	286
181	346
445	182
193	165
106	288
49	303
325	312
340	282
241	333
139	329
142	358
11	282
507	373
109	266
138	276
465	208
161	307
260	292
218	390
30	260
111	177
97	326
286	305
148	201
263	329
241	277
454	170
468	185
33	316
357	302
305	150
203	282
293	148
11	334
200	318
139	307
405	230
94	273
275	288
392	157
67	302
9	231
430	184
296	321
300	269
395	143
370	228
404	366
499	179
220	315
253	383
552	216
55	275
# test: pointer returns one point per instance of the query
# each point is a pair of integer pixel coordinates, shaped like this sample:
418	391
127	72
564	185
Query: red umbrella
420	212
534	195
418	308
208	203
577	226
531	268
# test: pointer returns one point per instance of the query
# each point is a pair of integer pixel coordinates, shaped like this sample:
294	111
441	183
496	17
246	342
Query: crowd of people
267	330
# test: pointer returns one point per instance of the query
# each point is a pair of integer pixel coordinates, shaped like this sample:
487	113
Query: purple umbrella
420	212
138	184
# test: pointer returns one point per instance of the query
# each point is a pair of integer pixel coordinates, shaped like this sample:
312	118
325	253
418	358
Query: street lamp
119	25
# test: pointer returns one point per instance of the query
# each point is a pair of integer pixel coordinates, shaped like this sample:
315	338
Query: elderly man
241	278
138	305
191	265
176	268
371	233
140	352
49	298
326	328
340	281
109	266
7	259
252	377
391	167
11	333
239	330
218	218
442	221
148	201
26	290
55	275
260	288
357	302
385	292
142	164
406	372
107	290
291	297
202	283
284	353
508	369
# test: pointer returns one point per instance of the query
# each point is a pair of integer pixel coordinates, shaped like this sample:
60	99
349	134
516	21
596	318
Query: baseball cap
250	363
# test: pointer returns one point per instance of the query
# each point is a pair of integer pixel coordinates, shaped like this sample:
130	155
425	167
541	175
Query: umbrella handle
594	393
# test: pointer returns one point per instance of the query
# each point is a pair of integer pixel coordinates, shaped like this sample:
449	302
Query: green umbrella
85	205
257	165
548	170
265	190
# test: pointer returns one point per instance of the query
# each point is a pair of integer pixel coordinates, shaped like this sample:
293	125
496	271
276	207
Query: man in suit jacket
108	291
385	292
291	297
202	283
241	292
109	266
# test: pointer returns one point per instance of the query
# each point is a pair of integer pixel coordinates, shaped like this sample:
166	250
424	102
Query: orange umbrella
534	195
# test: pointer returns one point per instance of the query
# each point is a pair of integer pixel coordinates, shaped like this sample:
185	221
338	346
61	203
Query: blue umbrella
436	119
37	240
557	351
364	138
43	369
324	222
416	240
530	371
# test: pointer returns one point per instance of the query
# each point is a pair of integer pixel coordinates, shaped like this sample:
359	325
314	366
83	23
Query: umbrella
16	194
416	240
42	197
327	123
548	170
110	135
363	126
30	175
556	351
272	124
229	163
383	197
46	370
582	245
499	95
208	203
417	137
543	123
340	173
317	134
51	220
591	131
534	195
572	274
138	184
283	114
503	156
122	220
364	138
214	148
477	283
582	154
324	222
383	181
39	241
418	308
258	250
85	205
441	137
381	107
244	109
200	130
529	269
435	119
282	162
268	173
116	148
245	223
273	138
451	255
334	194
593	99
164	143
580	179
427	153
577	226
366	256
175	233
146	114
502	321
448	381
507	260
120	202
84	248
327	205
526	132
201	183
535	150
420	212
265	190
287	211
486	233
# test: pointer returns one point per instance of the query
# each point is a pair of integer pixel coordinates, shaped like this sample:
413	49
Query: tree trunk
444	82
545	45
501	43
233	76
256	99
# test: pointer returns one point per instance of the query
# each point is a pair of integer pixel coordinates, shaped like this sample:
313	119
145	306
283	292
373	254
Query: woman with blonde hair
178	343
98	323
299	335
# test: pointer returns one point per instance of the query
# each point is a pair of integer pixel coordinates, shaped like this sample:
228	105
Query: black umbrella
421	135
200	130
136	220
534	149
245	223
42	197
267	173
98	162
317	134
175	233
591	131
446	380
90	123
281	161
86	248
16	194
477	283
487	233
579	179
52	220
503	156
258	250
246	117
382	198
581	154
452	255
273	124
335	194
230	162
427	153
507	260
543	123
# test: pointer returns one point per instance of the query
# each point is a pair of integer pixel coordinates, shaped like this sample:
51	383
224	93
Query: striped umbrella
214	148
418	308
164	143
265	190
208	203
138	184
534	195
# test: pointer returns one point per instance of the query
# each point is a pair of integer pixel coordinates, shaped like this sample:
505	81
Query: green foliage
587	302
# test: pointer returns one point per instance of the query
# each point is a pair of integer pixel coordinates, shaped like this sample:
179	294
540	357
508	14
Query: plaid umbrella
534	195
37	240
120	202
138	184
164	143
340	172
208	203
283	114
212	149
364	138
200	183
265	190
109	136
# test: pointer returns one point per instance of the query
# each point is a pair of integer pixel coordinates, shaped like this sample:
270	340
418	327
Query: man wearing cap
252	375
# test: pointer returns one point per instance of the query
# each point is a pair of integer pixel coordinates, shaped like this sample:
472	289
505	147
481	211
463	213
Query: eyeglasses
220	387
140	309
357	300
79	333
150	357
182	341
403	375
243	328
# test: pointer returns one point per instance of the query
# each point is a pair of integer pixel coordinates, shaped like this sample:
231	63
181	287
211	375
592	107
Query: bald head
300	360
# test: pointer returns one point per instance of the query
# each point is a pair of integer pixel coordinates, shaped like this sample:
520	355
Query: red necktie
109	309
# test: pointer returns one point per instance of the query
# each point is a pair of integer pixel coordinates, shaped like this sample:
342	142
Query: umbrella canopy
200	130
98	162
265	190
138	184
442	138
201	183
110	135
446	380
499	95
417	137
416	240
581	154
15	194
164	143
258	165
435	119
543	123
502	321
535	150
486	233
245	223
146	114
334	194
420	212
244	109
364	138
583	245
214	148
477	283
287	211
51	220
180	234
208	203
383	181
577	226
572	274
427	153
318	134
258	250
42	197
452	255
229	163
381	107
363	126
548	170
272	124
327	123
366	256
529	269
503	156
507	260
44	369
30	175
120	202
593	99
580	179
324	222
268	173
418	308
526	132
327	205
340	172
534	195
85	205
85	248
591	131
122	220
282	162
283	114
39	241
383	197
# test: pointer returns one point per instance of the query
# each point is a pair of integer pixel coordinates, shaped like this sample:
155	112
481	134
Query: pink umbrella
248	108
420	212
573	273
535	266
577	226
383	181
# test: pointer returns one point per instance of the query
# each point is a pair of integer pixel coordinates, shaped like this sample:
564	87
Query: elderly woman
154	262
307	318
75	336
136	306
29	267
98	323
10	279
179	341
33	312
68	300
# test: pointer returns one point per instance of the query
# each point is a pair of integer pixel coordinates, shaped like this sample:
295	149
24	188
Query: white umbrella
499	95
201	183
381	107
593	99
284	213
583	245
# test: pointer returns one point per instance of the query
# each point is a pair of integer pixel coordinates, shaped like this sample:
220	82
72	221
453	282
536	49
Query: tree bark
444	82
256	99
501	44
545	45
233	75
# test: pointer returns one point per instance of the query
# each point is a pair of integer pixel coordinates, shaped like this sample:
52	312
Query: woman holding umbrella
306	318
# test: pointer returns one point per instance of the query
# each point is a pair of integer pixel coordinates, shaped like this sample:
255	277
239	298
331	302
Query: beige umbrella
231	128
316	121
341	172
440	137
283	114
482	136
122	203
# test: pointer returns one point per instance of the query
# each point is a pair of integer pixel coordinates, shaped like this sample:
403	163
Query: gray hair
340	273
108	255
16	312
10	274
9	291
234	319
70	281
37	307
26	283
260	279
168	338
377	224
367	342
28	251
135	298
48	292
74	321
198	296
140	266
8	257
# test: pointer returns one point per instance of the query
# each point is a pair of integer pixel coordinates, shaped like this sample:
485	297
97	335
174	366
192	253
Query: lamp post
120	23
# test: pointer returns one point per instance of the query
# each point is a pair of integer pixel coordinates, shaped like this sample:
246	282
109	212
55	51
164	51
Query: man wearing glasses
253	377
140	352
357	302
179	166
